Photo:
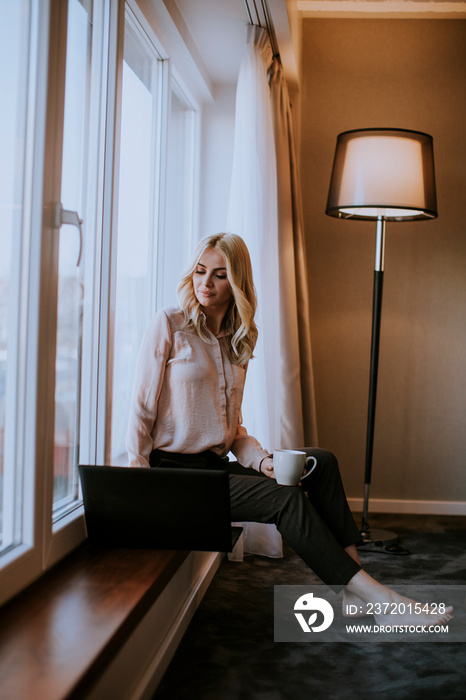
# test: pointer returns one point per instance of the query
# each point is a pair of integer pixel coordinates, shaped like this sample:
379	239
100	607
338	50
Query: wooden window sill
60	634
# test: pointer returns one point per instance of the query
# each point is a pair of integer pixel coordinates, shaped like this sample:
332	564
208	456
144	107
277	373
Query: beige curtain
298	415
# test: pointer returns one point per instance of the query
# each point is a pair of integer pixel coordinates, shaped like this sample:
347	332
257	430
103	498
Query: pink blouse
187	396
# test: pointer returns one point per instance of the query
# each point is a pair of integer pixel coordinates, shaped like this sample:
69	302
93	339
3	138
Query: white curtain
278	405
252	214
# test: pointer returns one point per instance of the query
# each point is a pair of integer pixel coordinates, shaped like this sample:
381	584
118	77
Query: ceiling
217	27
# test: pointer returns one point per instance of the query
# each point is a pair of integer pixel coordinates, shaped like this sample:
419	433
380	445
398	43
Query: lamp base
381	541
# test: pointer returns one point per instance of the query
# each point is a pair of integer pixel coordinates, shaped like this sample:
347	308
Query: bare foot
365	596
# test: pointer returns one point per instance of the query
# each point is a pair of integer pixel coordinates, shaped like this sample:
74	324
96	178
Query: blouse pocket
181	350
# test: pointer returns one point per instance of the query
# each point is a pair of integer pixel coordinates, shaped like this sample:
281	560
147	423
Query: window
74	253
96	219
155	212
18	28
179	194
69	290
139	175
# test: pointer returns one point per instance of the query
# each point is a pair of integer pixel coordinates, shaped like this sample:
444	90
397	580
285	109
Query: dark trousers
316	523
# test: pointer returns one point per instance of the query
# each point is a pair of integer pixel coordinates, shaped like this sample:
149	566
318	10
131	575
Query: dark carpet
228	652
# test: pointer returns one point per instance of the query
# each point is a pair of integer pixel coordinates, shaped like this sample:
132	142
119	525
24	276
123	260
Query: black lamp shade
383	173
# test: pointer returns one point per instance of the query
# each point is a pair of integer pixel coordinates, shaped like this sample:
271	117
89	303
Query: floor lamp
381	175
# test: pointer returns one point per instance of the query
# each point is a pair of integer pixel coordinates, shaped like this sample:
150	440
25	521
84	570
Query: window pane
175	248
15	153
137	222
71	276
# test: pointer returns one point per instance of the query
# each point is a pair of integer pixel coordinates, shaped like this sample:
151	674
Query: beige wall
407	74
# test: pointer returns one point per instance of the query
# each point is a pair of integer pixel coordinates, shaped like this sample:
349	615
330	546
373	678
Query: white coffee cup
289	466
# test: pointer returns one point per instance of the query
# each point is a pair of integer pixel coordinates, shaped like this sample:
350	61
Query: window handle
66	216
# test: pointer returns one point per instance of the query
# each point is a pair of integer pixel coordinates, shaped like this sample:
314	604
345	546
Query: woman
186	410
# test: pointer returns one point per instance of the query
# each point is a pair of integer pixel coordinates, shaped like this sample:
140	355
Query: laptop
162	508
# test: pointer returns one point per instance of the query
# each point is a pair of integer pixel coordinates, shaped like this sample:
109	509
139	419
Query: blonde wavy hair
239	319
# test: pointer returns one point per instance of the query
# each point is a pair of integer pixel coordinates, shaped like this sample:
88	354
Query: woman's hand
267	467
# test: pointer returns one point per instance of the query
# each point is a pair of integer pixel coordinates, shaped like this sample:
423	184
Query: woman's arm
153	355
247	449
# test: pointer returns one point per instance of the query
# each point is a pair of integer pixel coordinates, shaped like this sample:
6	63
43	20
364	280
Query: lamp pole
384	537
374	366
